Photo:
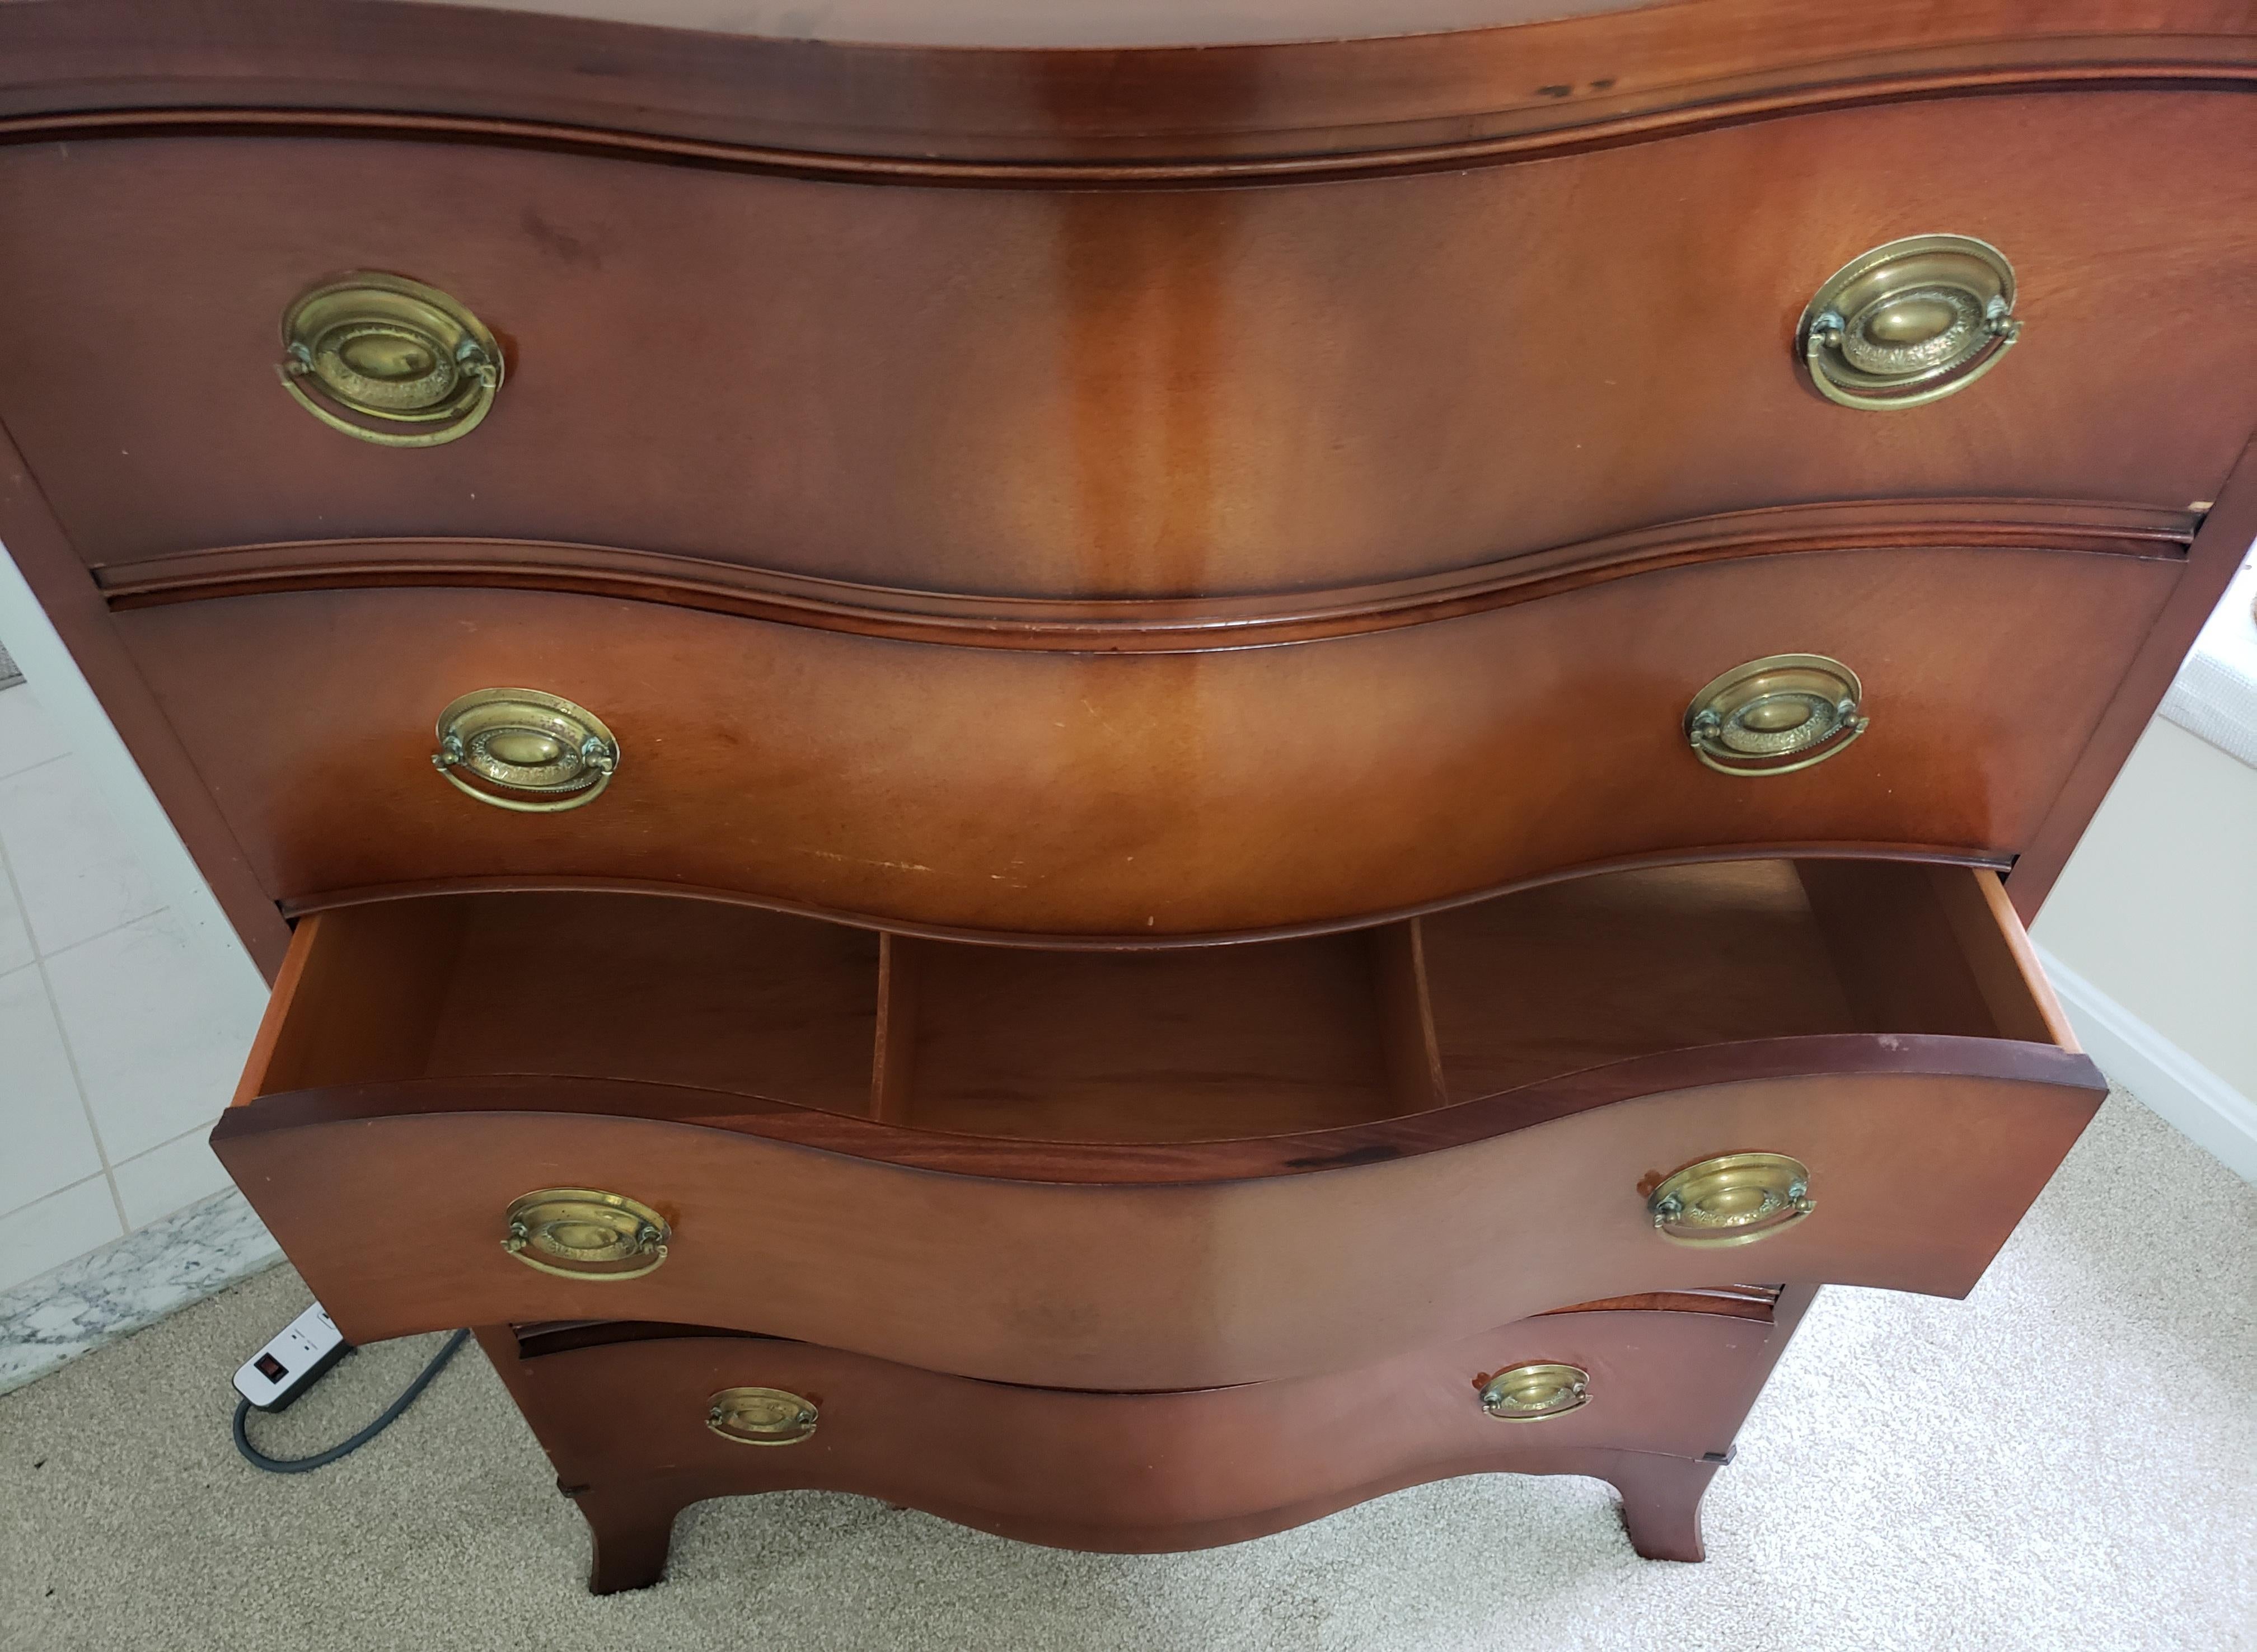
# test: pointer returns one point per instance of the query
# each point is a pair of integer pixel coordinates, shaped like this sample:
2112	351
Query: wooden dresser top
1142	88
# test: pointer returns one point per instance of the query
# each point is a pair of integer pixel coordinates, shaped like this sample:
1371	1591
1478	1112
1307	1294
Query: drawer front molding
1036	105
1155	399
1159	1283
1232	791
1130	1471
1128	625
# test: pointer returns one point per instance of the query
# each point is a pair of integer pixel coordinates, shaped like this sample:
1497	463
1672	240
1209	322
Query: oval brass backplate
547	753
1909	322
1776	715
585	1233
1734	1199
1536	1391
371	346
761	1416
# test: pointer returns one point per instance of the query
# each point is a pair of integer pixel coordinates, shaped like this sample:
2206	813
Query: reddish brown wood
1154	397
1446	82
893	1074
994	498
1413	1054
1661	1503
1304	1037
1132	624
1179	795
1136	1472
1919	1180
2227	531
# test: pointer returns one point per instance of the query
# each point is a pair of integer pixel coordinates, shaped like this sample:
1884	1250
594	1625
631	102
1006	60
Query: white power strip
289	1365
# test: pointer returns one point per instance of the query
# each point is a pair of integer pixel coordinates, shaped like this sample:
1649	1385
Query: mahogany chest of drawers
1123	768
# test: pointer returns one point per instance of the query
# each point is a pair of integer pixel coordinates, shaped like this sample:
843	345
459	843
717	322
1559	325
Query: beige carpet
2066	1460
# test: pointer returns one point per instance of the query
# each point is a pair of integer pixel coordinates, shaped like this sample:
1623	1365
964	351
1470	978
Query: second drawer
1152	796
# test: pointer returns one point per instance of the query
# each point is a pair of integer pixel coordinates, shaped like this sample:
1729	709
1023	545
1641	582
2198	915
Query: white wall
126	1003
2158	907
2151	934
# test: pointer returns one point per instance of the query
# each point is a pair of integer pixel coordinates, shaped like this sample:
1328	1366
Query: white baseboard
2204	1108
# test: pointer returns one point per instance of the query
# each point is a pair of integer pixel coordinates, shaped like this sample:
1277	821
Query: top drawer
1125	391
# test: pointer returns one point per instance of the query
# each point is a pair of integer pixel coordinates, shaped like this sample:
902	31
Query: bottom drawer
642	1420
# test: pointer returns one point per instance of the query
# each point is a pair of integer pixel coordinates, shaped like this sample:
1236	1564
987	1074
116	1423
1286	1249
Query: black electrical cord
257	1459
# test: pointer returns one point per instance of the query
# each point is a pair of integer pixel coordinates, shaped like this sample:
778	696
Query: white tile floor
118	1049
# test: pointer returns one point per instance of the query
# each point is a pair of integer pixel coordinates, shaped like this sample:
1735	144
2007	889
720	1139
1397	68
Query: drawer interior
1177	1044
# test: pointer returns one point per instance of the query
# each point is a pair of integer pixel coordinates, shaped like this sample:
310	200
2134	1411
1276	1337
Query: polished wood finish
1137	464
1147	561
1140	1255
1134	1472
1211	1043
1180	795
1291	87
1922	1177
1155	397
1177	625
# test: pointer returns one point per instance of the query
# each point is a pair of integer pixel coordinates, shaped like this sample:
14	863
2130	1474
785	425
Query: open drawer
1160	1169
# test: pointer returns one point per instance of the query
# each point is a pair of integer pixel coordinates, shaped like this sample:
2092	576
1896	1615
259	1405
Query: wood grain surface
1919	1179
1136	1472
1201	1044
1154	393
888	89
1150	796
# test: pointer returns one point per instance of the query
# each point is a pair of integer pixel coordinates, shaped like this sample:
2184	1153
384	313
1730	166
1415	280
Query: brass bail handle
1910	323
369	349
585	1233
1776	715
1734	1199
761	1416
1536	1391
544	753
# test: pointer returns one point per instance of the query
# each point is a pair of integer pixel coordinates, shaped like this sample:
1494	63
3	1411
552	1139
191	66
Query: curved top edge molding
1182	624
1195	105
296	907
1071	25
1841	1057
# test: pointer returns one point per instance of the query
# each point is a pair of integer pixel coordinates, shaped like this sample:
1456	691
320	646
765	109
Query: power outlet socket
286	1367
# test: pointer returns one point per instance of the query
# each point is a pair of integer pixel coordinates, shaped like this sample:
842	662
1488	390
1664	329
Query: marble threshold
129	1283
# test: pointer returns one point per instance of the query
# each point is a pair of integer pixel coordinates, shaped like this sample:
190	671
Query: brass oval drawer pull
1536	1391
1776	715
1734	1199
1910	323
761	1416
526	741
383	347
585	1233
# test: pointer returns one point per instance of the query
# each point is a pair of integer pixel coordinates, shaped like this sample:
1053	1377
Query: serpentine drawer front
1014	755
850	774
1167	1169
1670	1377
1445	394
